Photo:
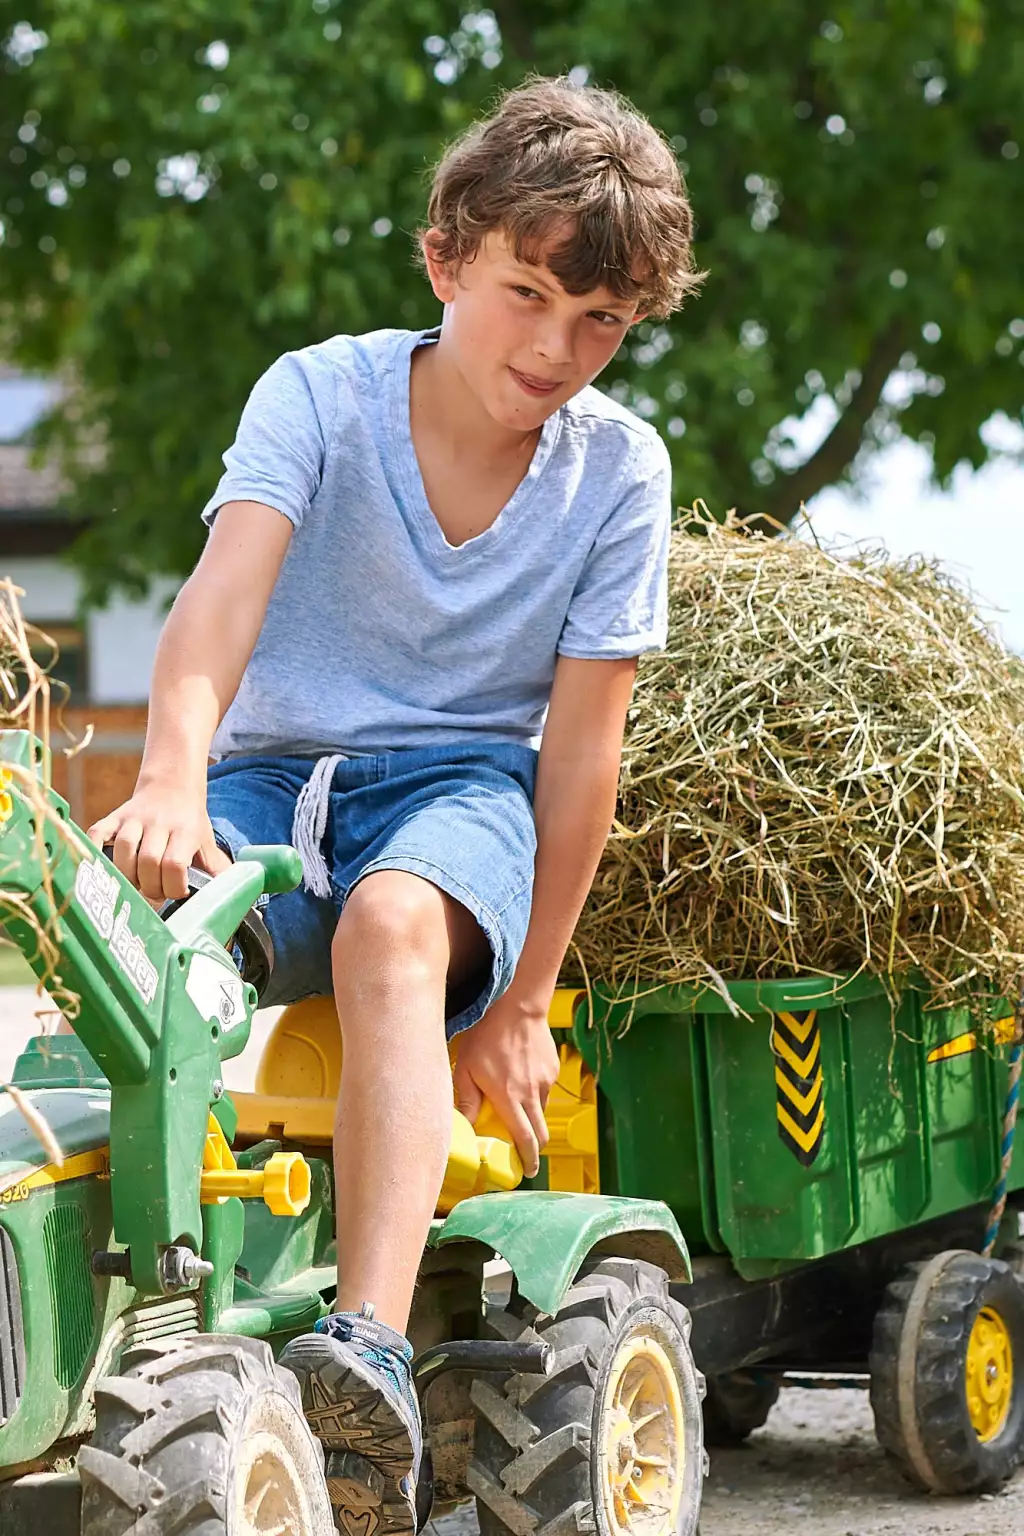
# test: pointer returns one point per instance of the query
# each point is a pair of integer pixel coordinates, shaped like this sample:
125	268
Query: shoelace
392	1360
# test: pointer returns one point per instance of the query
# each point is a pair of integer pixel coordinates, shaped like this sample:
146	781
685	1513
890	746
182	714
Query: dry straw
823	773
28	698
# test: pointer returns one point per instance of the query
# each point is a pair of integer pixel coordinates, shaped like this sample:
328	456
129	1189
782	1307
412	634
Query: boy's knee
395	916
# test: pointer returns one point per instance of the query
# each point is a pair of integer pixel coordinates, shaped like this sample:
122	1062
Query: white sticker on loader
219	996
97	892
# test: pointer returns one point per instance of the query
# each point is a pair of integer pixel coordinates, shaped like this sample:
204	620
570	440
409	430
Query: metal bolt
180	1269
992	1371
218	1089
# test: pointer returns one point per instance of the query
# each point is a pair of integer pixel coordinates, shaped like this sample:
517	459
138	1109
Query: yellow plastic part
283	1183
297	1086
642	1450
989	1374
297	1077
476	1165
6	800
571	1114
310	1121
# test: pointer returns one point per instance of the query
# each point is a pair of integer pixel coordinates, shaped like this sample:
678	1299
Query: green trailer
756	1186
832	1157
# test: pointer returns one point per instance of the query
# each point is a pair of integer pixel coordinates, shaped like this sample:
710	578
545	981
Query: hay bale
26	704
823	773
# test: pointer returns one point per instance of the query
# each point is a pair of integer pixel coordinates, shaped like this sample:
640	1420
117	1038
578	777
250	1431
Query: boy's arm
510	1057
203	651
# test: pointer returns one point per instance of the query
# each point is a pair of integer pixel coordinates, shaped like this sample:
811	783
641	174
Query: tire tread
959	1462
174	1414
531	1470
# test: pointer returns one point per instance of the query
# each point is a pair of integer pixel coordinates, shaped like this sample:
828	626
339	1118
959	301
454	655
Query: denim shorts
458	816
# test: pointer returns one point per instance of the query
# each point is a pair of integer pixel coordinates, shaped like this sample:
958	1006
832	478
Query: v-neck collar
508	520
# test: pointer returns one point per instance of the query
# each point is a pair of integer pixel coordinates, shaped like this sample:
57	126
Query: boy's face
521	342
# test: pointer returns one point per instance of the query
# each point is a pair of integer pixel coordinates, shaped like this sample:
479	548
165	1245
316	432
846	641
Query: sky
976	529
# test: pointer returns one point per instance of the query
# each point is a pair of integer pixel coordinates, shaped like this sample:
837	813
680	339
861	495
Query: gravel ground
815	1466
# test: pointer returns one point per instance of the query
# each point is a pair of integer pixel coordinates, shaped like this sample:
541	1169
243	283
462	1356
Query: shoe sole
370	1449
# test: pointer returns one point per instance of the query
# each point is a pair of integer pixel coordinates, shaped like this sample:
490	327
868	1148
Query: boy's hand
156	835
511	1059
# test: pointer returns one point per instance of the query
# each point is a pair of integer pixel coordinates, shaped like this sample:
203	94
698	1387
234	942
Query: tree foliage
188	190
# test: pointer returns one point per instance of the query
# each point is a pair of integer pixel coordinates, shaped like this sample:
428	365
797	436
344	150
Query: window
71	665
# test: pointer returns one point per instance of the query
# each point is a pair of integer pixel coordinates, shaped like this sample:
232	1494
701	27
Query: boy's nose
553	343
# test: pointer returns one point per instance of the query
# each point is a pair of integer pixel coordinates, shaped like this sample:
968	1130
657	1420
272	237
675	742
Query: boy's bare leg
397	940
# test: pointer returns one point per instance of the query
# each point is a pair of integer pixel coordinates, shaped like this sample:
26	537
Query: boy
421	545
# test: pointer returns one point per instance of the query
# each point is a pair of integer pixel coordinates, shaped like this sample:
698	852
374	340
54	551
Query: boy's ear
440	274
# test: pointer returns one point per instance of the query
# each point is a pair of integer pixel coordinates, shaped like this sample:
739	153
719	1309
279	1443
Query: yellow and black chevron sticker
799	1086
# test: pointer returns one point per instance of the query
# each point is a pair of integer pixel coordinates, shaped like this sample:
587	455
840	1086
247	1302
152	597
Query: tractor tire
1013	1254
735	1406
947	1373
202	1438
612	1436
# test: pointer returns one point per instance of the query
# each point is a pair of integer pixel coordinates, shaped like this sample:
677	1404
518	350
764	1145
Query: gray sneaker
360	1402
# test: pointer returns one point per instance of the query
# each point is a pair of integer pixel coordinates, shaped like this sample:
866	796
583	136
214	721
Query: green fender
545	1235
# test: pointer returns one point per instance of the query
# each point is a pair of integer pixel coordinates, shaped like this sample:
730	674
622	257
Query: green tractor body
116	1264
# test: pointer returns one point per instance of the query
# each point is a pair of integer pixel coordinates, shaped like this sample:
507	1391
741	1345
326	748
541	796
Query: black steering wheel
255	957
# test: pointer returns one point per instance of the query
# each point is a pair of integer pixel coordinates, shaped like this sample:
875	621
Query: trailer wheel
947	1373
735	1406
611	1440
203	1438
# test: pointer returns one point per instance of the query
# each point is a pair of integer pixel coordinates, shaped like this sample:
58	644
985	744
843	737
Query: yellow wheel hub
989	1374
643	1441
271	1500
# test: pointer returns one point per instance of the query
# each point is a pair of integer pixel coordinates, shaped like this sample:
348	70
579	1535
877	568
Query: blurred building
106	655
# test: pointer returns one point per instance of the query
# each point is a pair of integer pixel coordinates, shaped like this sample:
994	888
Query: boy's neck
443	406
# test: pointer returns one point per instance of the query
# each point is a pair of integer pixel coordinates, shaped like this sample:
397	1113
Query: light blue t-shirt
380	634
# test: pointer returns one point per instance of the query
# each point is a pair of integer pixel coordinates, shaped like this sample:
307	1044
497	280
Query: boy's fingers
102	832
150	863
468	1096
174	865
126	850
518	1122
535	1112
213	858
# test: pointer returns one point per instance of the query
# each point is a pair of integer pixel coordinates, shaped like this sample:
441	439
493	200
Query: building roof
32	518
24	488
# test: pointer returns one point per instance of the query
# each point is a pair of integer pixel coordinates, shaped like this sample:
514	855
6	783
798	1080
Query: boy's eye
602	315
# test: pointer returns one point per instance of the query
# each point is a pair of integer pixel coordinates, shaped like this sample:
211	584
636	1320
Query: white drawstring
310	823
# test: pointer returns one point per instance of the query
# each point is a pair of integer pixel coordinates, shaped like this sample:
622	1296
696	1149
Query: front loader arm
161	1004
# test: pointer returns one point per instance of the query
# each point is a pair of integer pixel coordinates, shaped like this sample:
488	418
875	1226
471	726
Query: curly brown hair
554	154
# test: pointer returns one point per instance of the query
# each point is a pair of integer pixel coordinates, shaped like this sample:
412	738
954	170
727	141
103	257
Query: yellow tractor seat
300	1070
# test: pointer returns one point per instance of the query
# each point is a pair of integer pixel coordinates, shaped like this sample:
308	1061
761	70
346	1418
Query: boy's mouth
531	385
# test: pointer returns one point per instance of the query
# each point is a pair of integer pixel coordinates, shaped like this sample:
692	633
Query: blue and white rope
995	1216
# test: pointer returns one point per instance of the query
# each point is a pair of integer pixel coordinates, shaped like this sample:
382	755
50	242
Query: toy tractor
161	1239
832	1157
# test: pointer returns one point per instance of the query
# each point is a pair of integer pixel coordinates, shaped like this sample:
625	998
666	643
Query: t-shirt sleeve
277	456
619	607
